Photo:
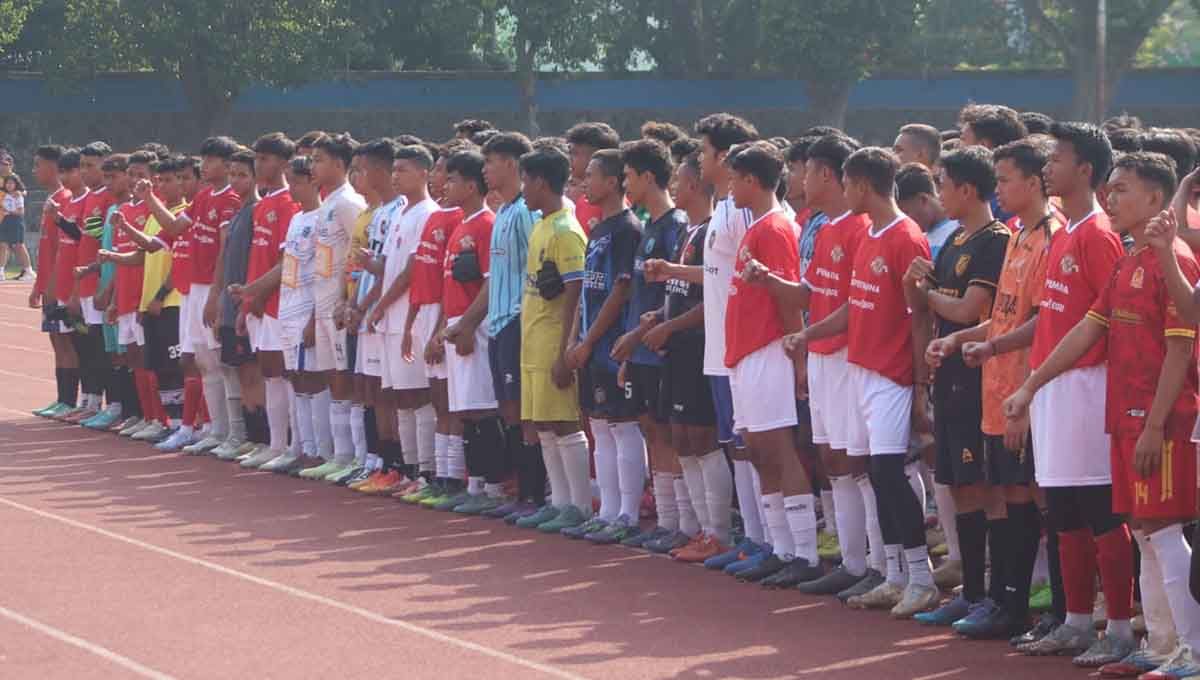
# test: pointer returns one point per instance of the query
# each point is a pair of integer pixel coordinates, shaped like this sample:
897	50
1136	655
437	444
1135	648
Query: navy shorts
504	358
722	398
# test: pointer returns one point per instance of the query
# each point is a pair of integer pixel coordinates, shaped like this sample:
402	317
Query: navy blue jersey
659	240
610	252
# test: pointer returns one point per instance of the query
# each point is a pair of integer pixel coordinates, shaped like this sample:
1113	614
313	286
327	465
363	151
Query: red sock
1077	554
1114	553
160	413
193	392
141	382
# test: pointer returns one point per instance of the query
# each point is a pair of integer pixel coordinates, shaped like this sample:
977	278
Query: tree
12	19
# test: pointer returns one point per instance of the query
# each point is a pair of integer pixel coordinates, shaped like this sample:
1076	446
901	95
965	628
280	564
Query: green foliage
12	19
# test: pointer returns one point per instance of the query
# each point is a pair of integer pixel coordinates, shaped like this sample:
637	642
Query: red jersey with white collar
272	215
210	212
752	319
828	275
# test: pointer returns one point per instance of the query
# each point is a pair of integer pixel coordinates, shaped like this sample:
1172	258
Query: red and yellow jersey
752	319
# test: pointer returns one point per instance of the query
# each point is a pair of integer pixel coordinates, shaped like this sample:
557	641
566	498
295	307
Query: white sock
456	457
757	481
493	490
850	517
439	455
339	423
917	566
1041	566
186	430
801	515
917	481
278	410
406	431
893	571
776	520
693	478
828	511
426	434
631	466
718	493
947	514
573	449
877	557
748	503
607	475
373	462
1174	561
560	489
322	412
358	433
688	522
233	403
304	423
665	503
1156	607
1078	620
474	485
213	386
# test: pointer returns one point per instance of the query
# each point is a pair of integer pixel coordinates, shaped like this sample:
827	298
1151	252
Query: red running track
119	562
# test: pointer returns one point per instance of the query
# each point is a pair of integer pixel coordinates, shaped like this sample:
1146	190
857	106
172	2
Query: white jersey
335	226
725	231
297	268
377	237
401	244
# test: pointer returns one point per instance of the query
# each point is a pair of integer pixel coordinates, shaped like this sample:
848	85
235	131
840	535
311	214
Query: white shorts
1070	447
399	374
91	315
469	378
881	420
265	333
830	400
296	357
764	390
192	333
129	331
369	359
329	352
423	327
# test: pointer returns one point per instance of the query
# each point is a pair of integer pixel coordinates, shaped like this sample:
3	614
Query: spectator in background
12	226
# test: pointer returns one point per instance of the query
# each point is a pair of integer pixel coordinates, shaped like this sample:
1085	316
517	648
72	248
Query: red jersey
1079	266
425	286
752	319
474	234
48	241
209	213
1137	310
129	278
879	336
68	248
828	275
588	214
95	205
272	215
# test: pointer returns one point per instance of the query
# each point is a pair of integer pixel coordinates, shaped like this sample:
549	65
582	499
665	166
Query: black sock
67	380
392	455
257	431
371	428
1058	596
1025	533
1000	555
490	449
972	542
470	443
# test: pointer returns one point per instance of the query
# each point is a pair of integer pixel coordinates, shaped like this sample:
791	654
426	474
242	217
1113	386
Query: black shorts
504	358
162	340
957	414
647	387
235	349
686	390
602	397
1005	467
351	351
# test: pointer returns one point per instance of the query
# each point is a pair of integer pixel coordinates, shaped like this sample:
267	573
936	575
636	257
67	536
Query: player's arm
131	259
172	224
211	305
608	315
559	372
261	288
398	287
1180	205
1180	345
661	270
1074	345
477	312
787	294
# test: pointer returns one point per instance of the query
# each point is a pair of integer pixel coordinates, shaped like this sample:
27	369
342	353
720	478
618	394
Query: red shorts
1170	493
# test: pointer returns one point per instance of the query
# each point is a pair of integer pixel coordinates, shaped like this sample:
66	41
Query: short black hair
96	150
221	147
301	165
470	126
417	153
609	161
339	146
1090	144
762	160
649	155
1155	168
781	143
998	125
876	165
1124	120
552	142
971	165
1029	155
69	160
1174	144
480	138
596	135
117	162
724	130
244	156
309	139
380	150
683	147
511	144
664	132
822	131
1036	123
159	149
1125	139
49	152
407	140
174	163
912	180
832	151
143	157
275	144
468	164
925	135
797	151
947	135
550	164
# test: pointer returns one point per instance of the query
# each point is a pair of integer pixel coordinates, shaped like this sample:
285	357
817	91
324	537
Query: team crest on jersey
649	245
960	239
967	456
212	214
960	267
439	235
744	255
271	217
1138	277
1068	264
467	242
878	265
140	221
306	231
837	254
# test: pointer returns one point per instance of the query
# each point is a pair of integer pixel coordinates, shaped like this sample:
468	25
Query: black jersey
682	296
965	261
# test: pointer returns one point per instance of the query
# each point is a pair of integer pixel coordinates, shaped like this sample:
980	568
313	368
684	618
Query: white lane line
91	647
25	376
304	594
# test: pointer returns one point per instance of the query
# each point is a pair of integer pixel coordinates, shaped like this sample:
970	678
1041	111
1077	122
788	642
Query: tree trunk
527	84
1083	67
828	101
211	108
